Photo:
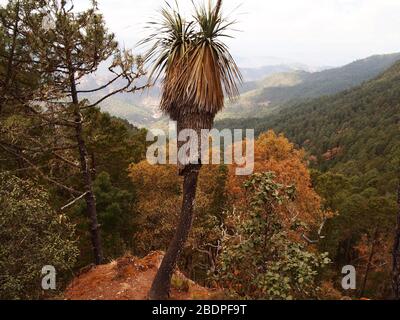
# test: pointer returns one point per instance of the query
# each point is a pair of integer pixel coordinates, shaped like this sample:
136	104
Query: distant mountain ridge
257	74
333	80
260	98
279	85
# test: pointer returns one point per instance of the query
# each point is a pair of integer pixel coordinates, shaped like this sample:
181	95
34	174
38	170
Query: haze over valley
263	91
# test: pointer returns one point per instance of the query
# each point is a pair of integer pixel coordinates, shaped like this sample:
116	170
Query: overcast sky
312	32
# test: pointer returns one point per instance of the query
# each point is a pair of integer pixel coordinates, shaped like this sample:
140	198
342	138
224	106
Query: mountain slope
355	132
261	98
258	74
333	80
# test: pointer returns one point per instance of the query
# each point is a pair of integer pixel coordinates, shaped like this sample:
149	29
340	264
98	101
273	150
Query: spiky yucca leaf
199	70
211	70
170	40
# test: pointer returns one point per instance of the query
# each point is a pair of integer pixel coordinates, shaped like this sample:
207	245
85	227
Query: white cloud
316	32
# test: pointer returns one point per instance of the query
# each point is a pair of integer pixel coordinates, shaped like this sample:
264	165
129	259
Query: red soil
130	278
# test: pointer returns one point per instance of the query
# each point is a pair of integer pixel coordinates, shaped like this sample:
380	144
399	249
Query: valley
265	90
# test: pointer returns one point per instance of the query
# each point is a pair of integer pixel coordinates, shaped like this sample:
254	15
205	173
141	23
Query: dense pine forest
78	193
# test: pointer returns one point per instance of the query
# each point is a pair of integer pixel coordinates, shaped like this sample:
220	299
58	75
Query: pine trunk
161	286
90	197
87	177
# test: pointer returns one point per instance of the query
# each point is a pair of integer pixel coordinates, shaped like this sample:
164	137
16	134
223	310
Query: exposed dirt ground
130	278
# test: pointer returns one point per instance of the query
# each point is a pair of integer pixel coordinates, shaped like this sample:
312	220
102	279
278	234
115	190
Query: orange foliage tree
275	153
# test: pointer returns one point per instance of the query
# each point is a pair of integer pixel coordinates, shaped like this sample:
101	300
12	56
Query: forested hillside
365	117
353	140
260	98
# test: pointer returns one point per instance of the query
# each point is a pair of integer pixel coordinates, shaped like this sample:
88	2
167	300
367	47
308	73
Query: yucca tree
198	71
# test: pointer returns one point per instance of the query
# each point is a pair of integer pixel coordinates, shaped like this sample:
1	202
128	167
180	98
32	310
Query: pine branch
73	201
102	87
40	172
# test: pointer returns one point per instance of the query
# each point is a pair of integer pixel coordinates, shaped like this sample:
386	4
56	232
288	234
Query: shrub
32	235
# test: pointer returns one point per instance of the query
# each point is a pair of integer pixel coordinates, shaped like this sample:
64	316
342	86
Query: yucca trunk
161	286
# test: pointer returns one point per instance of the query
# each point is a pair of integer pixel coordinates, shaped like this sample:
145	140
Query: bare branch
73	201
124	89
102	87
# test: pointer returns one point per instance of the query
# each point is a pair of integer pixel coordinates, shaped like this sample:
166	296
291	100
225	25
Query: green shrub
259	258
32	235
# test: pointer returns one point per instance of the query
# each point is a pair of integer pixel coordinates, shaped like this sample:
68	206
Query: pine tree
65	47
